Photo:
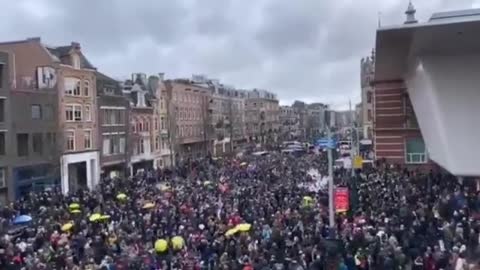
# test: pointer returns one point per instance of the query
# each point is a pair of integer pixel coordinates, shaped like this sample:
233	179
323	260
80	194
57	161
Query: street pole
331	207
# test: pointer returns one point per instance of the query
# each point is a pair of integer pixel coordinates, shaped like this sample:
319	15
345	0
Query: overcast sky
300	49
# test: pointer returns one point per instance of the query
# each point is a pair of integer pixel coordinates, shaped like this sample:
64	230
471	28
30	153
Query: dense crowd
398	220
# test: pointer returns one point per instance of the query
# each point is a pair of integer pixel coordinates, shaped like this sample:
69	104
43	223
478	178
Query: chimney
410	14
161	76
75	45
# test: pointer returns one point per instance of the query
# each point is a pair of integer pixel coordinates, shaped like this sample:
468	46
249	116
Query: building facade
367	72
29	152
396	132
142	135
191	133
262	116
77	103
289	124
164	157
114	126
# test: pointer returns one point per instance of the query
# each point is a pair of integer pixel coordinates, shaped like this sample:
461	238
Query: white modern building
438	63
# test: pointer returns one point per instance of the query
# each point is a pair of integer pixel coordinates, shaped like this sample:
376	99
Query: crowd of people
397	220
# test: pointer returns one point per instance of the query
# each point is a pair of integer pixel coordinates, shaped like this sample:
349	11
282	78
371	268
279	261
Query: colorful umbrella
104	217
74	206
178	242
22	219
207	183
122	196
231	232
245	227
75	211
95	217
161	245
148	205
67	227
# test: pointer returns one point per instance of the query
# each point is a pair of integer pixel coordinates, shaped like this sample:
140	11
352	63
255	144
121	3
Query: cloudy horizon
305	50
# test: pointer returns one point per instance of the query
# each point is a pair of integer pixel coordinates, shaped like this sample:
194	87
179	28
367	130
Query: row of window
113	116
187	97
35	143
189	114
77	87
77	113
190	130
144	126
114	145
143	145
70	143
41	112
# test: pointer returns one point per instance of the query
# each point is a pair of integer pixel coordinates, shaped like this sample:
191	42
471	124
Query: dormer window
76	61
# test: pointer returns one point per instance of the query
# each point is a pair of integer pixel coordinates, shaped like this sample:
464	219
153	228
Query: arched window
86	88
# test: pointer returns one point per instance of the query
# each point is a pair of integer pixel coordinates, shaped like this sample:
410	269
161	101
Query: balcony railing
416	158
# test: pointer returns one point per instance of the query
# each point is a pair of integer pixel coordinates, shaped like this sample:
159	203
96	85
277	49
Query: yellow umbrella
122	196
74	206
148	205
104	217
161	245
75	211
231	231
67	227
95	217
307	198
245	227
178	242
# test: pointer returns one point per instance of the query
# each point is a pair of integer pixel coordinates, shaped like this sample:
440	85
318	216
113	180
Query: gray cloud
305	49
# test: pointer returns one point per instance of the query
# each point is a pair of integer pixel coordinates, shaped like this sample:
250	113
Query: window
147	126
162	122
416	152
156	123
88	114
141	146
72	86
157	143
114	117
36	111
369	115
87	134
51	140
86	88
22	144
1	75
113	145
70	140
369	97
122	145
2	143
73	113
108	91
48	112
3	178
76	61
37	143
2	108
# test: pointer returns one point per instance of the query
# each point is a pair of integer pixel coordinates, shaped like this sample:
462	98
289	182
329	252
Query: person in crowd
263	212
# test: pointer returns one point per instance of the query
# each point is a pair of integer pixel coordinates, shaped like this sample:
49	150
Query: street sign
341	199
326	143
358	162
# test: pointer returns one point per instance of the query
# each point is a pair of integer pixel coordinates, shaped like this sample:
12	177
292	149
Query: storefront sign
341	199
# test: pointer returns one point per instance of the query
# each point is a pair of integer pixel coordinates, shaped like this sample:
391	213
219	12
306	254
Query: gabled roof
62	51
